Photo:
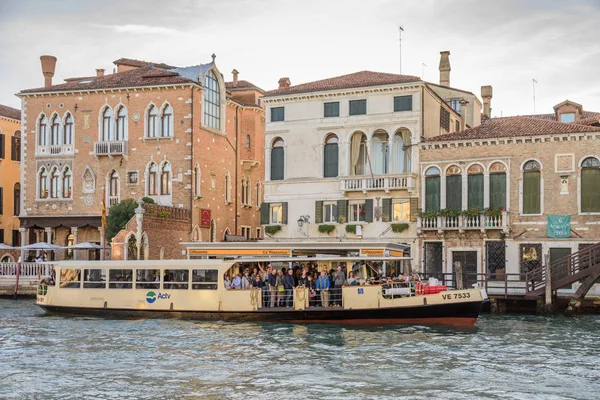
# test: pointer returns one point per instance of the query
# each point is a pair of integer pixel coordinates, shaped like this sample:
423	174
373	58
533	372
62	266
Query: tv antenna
534	82
401	30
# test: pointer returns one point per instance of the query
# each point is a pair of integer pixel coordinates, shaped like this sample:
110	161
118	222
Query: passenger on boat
288	285
350	281
312	291
237	282
227	282
273	287
323	285
416	277
246	280
257	283
280	288
303	278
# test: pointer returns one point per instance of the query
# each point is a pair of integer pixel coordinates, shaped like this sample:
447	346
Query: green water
505	357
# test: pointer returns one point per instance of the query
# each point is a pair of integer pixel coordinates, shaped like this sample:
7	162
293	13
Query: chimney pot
100	72
486	95
235	76
463	113
444	68
284	82
48	67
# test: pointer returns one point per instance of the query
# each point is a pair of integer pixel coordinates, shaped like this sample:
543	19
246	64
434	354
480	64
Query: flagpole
103	232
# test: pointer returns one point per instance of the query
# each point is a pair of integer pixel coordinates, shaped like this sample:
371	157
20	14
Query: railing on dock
28	269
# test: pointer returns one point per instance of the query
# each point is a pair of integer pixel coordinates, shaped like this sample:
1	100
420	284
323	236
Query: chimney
99	72
235	76
463	113
48	66
444	68
284	83
486	95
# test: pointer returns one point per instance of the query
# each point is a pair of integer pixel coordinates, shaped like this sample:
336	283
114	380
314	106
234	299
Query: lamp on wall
303	220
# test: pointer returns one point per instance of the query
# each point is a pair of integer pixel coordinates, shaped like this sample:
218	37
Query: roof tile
138	63
10	112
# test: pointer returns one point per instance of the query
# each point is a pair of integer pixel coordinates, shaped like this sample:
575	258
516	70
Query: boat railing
497	284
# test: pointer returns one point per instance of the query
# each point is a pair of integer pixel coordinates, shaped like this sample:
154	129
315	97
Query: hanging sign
559	226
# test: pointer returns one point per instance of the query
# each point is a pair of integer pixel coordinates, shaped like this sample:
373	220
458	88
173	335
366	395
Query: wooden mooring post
548	292
459	275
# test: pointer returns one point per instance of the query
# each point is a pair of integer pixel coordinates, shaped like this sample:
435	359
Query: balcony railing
115	148
55	149
377	182
464	222
112	200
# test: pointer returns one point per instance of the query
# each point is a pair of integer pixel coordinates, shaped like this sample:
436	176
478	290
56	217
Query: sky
503	43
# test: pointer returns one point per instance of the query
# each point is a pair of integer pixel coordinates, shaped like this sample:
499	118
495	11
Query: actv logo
151	296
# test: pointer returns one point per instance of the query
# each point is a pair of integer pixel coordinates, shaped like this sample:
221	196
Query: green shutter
414	206
454	192
284	213
342	211
318	212
531	192
369	210
386	215
331	160
277	163
264	214
432	193
2	145
475	191
590	190
497	191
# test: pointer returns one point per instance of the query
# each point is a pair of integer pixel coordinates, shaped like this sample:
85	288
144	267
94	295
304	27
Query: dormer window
567	117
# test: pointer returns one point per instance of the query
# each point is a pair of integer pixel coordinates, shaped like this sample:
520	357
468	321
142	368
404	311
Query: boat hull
449	314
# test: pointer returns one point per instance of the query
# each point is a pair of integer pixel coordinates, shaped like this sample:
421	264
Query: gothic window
55	130
212	101
152	179
167	120
152	122
121	123
66	184
106	124
43	183
43	131
68	129
165	179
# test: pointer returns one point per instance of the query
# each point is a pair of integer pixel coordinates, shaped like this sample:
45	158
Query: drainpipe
237	143
192	166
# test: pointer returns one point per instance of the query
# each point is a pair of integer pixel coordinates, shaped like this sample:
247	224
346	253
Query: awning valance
60	220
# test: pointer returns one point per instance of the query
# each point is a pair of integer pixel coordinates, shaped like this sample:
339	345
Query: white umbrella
41	246
83	246
6	247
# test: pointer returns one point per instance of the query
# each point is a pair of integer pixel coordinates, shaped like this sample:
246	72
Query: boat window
70	278
94	278
120	279
147	279
205	279
176	279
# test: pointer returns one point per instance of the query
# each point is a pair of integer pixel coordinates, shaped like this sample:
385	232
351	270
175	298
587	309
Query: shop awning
60	220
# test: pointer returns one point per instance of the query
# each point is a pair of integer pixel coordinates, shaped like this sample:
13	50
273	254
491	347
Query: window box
272	229
326	228
399	228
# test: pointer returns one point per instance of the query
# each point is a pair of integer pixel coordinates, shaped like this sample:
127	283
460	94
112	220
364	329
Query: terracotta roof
10	112
589	121
138	63
241	84
354	80
552	116
514	127
80	78
142	76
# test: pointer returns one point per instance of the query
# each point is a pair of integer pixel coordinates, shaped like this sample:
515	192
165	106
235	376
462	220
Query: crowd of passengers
324	288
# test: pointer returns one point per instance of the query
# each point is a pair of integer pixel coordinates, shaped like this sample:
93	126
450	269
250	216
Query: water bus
196	289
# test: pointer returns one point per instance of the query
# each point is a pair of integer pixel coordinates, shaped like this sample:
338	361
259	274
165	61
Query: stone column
23	232
139	218
75	241
49	235
101	242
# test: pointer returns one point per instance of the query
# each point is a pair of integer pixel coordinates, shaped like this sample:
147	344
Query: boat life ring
419	288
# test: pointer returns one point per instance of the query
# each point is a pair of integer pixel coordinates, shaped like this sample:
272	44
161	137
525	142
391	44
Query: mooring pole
459	275
17	280
548	302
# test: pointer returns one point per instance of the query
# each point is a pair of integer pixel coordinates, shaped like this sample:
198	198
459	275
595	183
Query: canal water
505	357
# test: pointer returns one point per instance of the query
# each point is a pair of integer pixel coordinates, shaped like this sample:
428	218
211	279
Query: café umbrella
41	246
84	246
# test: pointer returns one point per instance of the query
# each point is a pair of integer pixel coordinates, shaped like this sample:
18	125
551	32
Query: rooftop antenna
401	30
534	82
423	66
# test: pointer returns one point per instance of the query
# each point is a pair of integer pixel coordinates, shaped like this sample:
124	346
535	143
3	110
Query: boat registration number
452	296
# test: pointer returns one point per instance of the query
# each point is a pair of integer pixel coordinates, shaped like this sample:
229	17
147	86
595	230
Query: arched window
475	187
247	141
401	152
121	123
257	193
167	120
89	183
17	199
358	154
152	121
197	180
114	188
55	130
244	191
590	185
68	130
380	152
532	188
54	183
432	189
165	179
212	101
277	160
66	184
454	188
330	156
43	183
227	188
497	186
43	131
106	124
16	147
152	179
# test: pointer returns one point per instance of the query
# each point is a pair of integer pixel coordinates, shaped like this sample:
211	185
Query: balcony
463	223
112	200
386	183
55	150
115	148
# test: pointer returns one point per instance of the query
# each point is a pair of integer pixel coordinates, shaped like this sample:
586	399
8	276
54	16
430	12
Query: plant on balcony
272	229
148	200
399	228
472	212
429	214
449	213
351	228
493	213
163	214
324	228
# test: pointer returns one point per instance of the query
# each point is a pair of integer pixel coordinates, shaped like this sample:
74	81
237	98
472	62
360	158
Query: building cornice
9	119
109	90
473	142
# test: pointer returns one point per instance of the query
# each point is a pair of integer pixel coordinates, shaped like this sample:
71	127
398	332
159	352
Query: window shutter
12	149
454	192
342	211
475	188
2	145
318	212
414	206
277	164
432	193
331	160
1	235
590	190
531	192
264	214
1	201
497	191
369	210
284	213
386	214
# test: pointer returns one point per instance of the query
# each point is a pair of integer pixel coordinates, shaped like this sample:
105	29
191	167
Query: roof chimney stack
48	67
99	72
486	95
284	83
445	68
463	114
235	76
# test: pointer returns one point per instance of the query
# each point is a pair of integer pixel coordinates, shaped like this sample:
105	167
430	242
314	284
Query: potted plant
326	228
272	229
399	228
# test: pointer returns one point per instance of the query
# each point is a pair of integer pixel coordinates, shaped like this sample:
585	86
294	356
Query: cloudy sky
504	43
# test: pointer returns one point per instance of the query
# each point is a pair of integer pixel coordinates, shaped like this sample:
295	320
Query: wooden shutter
414	206
369	210
475	191
1	201
1	235
386	210
432	193
318	212
531	192
2	145
264	214
331	160
277	163
590	190
342	211
497	191
284	213
454	192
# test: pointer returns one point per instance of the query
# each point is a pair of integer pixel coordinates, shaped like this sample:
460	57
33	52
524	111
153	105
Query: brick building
10	187
181	136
